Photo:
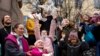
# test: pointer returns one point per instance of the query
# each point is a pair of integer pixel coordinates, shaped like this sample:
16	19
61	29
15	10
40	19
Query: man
6	21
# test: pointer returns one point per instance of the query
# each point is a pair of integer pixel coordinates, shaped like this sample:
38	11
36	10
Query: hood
12	38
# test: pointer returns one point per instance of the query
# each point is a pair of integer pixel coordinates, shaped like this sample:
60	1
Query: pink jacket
48	41
24	42
36	52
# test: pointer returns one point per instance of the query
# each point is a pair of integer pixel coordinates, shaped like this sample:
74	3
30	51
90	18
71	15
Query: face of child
44	33
65	22
39	44
85	17
63	35
73	39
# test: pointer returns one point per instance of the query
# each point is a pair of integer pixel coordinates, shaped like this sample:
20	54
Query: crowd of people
47	33
51	36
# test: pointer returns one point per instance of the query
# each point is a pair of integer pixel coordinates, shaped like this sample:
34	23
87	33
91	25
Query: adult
87	29
66	26
30	28
6	22
16	44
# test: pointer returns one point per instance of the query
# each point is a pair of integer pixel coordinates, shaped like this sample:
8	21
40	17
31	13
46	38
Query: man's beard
8	23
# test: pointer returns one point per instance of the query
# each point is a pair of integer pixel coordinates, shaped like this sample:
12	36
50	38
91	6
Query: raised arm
37	29
52	29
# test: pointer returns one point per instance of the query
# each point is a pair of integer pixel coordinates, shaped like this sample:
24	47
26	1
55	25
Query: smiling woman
16	44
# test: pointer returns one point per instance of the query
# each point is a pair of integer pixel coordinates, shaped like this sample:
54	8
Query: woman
66	26
87	28
16	44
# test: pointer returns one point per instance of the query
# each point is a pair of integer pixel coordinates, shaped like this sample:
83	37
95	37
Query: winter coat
3	35
12	47
36	52
96	32
73	50
49	39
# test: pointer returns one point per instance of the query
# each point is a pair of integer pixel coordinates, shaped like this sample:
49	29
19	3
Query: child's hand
63	36
68	39
28	53
45	50
32	46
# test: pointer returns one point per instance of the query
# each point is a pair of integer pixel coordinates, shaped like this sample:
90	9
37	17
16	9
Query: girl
38	50
73	47
44	36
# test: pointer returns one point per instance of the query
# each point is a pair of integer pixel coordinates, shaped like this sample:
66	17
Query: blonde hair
37	42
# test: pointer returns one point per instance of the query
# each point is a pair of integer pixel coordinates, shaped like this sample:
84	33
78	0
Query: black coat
4	33
46	25
70	50
96	33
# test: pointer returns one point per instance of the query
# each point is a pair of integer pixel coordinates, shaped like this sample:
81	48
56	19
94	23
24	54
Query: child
73	47
38	50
